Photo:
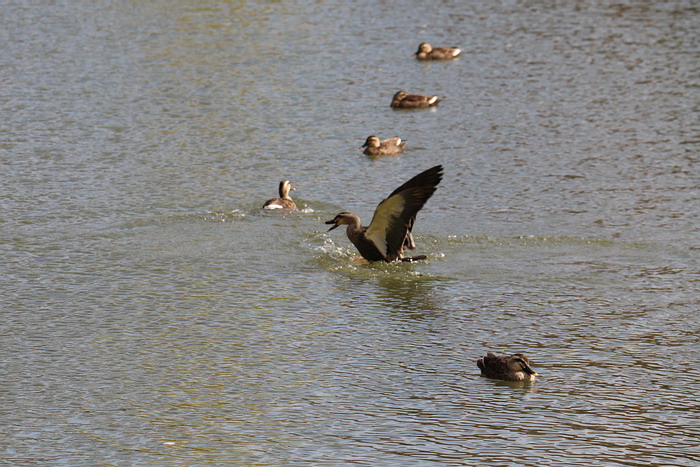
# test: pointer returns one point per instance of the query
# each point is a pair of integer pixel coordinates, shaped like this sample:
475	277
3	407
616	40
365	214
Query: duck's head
424	47
371	141
400	94
343	218
519	362
284	188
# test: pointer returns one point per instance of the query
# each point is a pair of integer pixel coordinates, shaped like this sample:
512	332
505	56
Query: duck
389	147
389	233
426	52
514	367
284	201
403	100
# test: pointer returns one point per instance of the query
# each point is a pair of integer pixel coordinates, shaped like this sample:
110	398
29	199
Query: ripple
153	314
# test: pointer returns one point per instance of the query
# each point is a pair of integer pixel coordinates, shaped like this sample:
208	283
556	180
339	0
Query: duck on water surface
284	201
385	238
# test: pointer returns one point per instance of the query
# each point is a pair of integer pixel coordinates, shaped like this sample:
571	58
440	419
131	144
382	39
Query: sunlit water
153	314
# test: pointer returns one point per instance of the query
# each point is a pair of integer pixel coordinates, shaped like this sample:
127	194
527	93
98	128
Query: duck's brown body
284	201
403	100
389	147
514	367
426	52
390	230
356	233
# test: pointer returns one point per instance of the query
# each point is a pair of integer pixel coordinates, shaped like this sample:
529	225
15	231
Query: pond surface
151	313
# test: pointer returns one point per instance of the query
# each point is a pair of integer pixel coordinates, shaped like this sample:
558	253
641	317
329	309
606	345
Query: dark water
152	314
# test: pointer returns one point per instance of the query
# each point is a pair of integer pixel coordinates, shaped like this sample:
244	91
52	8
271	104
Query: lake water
151	313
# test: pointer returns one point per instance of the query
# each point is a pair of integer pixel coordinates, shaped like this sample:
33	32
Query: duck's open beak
331	222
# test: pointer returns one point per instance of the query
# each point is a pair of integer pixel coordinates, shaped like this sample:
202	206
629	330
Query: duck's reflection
410	294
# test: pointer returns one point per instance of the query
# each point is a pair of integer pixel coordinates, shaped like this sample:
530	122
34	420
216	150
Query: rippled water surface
153	314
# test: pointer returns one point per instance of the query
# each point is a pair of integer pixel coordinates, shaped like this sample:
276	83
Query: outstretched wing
395	215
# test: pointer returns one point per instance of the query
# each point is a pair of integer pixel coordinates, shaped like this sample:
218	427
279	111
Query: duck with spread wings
385	238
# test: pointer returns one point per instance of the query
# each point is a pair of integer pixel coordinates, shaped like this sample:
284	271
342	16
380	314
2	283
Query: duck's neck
354	229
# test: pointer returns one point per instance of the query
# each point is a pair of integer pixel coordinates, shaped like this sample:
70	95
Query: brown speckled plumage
389	147
514	367
426	52
284	201
403	100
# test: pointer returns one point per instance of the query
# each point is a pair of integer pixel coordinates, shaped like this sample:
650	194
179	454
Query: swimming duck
284	201
514	367
426	52
385	238
403	100
388	147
